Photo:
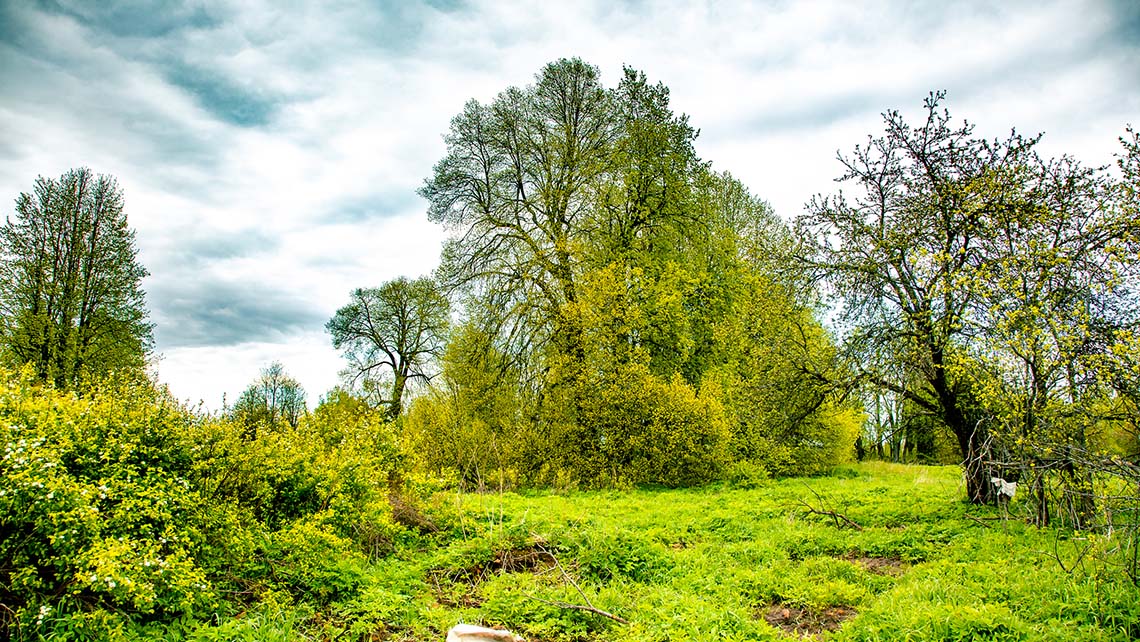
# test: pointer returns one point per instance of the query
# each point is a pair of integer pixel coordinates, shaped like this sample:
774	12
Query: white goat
1005	489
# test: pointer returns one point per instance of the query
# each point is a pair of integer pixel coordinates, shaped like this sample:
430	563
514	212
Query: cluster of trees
992	291
609	310
621	315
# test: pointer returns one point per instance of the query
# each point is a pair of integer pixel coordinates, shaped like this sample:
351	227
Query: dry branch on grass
839	518
588	607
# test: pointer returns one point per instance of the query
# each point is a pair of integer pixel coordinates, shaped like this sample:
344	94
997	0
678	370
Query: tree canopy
979	281
612	272
71	297
395	331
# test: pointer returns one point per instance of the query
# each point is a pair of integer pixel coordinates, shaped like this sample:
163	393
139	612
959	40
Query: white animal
1004	488
472	633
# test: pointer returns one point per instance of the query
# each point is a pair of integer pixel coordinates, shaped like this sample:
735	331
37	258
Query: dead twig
837	517
980	520
1080	558
588	607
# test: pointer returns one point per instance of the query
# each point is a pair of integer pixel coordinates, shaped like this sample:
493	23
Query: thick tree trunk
971	440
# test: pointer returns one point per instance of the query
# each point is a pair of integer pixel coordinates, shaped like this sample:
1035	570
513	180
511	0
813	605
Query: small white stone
472	633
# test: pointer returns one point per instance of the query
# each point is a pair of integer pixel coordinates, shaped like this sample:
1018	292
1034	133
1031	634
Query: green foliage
120	509
97	502
391	335
71	297
633	269
607	556
634	428
472	420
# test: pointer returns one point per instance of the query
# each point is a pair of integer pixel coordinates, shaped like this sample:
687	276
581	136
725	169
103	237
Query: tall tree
902	252
518	185
600	249
396	330
71	297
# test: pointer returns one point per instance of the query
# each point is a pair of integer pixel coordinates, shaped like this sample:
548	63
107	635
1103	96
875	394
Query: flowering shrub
119	507
96	504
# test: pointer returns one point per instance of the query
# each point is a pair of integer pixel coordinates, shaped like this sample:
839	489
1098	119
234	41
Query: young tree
274	397
71	297
396	330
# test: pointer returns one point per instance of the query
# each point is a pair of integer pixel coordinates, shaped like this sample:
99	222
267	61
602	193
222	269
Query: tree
1000	280
274	397
598	247
518	184
901	255
71	297
397	330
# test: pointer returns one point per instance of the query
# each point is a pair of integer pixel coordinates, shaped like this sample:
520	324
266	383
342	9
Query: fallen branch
979	520
837	517
578	607
588	607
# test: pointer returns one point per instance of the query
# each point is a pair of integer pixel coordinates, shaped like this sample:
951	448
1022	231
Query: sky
270	151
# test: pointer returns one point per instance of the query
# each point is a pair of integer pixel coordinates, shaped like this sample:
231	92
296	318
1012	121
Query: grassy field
902	559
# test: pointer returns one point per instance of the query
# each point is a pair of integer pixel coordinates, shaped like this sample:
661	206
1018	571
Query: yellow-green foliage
781	409
119	506
97	504
471	421
634	427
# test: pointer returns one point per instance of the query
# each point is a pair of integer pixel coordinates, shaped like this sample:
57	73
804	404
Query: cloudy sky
270	150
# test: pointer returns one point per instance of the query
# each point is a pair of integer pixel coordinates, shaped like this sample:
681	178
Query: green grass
721	563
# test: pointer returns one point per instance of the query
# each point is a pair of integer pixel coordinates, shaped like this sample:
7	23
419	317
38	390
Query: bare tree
272	398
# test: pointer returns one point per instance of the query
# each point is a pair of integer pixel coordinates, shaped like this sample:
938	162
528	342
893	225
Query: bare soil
807	623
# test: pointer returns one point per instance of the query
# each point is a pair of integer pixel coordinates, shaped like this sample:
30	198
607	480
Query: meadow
874	551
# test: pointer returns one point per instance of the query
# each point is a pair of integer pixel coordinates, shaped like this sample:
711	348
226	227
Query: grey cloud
221	96
94	109
373	207
1127	23
149	33
803	115
195	250
224	313
135	18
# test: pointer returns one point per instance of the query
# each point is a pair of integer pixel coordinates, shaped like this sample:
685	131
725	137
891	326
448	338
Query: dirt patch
807	623
530	559
891	565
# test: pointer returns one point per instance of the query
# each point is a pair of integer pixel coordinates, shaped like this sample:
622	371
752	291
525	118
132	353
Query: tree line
609	309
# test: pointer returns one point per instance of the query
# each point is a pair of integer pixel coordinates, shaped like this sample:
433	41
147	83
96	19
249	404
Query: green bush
621	556
97	507
119	506
635	428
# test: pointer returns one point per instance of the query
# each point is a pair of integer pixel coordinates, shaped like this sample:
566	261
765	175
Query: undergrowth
909	561
722	563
